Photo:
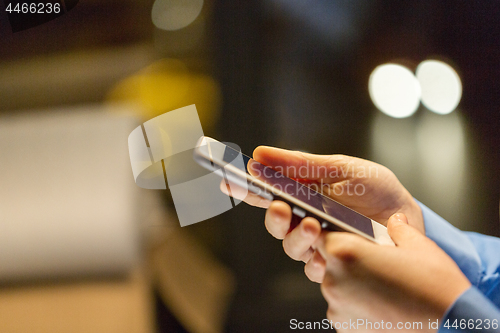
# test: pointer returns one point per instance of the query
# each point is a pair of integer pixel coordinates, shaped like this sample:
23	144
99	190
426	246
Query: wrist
414	214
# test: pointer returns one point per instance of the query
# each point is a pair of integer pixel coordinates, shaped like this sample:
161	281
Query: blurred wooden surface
107	306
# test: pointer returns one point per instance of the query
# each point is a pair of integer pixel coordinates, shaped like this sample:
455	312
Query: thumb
296	164
400	231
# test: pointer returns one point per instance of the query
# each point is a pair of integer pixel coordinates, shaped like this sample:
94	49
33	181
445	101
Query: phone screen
301	192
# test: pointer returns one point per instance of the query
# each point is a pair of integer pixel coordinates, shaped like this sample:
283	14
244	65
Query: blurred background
83	249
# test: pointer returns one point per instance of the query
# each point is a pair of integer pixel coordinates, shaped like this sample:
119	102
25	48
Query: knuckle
276	229
328	288
338	187
291	251
306	256
275	232
309	274
399	227
343	246
312	273
315	263
338	160
330	314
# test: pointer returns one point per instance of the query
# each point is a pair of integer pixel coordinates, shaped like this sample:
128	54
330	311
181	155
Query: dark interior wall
294	74
288	83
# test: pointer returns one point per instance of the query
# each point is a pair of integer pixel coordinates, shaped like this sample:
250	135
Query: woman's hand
415	281
367	187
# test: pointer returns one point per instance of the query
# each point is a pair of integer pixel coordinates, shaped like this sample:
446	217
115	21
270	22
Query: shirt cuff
471	312
454	242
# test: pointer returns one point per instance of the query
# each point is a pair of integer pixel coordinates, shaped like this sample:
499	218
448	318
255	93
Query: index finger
346	246
299	165
242	194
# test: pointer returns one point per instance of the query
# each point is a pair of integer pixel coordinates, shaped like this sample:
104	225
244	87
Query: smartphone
248	175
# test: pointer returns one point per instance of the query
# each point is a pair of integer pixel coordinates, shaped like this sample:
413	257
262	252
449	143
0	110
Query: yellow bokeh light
168	85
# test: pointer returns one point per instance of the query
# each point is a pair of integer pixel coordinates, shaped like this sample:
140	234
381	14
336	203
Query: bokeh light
394	90
443	162
175	14
393	145
441	86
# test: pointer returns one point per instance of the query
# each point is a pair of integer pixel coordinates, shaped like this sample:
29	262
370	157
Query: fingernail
307	230
401	218
279	217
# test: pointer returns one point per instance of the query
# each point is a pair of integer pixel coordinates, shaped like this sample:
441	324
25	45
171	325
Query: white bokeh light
175	14
443	163
441	86
394	90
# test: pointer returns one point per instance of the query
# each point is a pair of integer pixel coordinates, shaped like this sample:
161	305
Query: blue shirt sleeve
471	312
478	256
